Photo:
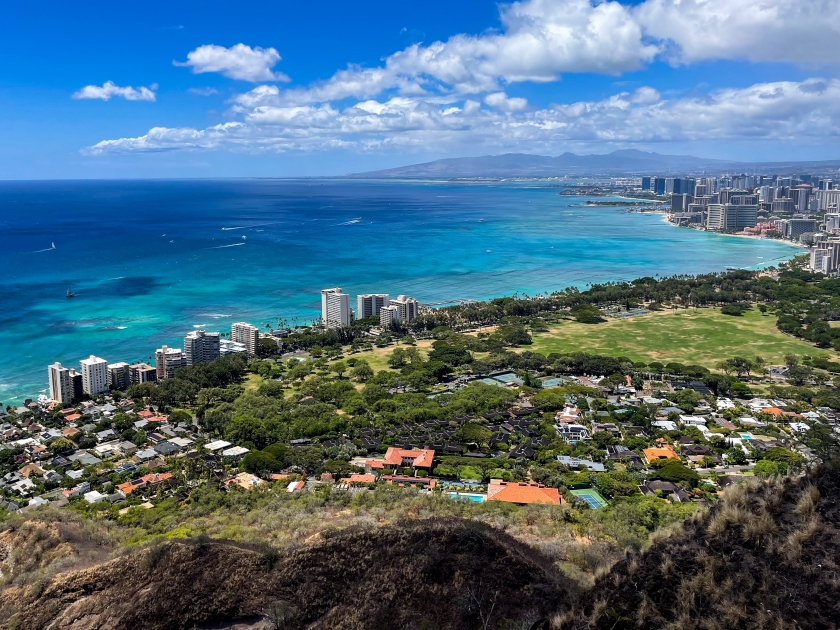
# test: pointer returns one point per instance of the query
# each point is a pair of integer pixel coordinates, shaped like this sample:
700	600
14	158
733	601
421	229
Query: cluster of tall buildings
738	202
96	376
336	311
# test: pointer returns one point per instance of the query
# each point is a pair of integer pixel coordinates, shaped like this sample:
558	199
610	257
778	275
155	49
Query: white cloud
794	31
807	112
237	62
109	90
502	101
456	92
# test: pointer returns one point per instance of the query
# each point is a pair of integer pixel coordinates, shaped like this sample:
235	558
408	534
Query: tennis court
592	498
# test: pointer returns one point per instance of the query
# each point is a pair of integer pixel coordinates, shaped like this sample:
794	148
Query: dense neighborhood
580	438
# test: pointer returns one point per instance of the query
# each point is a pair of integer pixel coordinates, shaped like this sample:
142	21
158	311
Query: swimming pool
463	496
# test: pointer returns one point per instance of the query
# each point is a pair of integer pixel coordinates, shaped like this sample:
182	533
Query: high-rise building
645	183
767	194
247	335
201	346
680	203
369	304
730	216
798	227
389	316
829	200
168	361
61	383
659	185
335	308
119	375
781	205
408	308
78	385
94	375
142	373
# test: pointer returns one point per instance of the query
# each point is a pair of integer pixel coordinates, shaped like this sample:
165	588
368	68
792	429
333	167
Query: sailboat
70	294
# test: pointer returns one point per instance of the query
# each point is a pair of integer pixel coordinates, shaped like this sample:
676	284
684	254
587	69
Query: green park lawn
378	357
696	336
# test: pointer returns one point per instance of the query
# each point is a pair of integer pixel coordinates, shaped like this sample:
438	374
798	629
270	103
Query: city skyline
173	91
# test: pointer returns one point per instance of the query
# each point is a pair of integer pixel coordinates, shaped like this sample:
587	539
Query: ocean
150	261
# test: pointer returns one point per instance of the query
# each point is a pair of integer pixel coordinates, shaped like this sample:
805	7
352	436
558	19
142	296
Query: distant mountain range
626	161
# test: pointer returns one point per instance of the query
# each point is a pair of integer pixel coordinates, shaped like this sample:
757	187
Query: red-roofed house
403	458
152	479
73	417
356	478
522	493
773	411
145	414
374	464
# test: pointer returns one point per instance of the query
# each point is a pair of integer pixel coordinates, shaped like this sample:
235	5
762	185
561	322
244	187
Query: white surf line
223	246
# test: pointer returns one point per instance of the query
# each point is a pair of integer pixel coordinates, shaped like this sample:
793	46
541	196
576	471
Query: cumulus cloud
502	101
109	89
237	62
793	31
542	39
807	111
461	91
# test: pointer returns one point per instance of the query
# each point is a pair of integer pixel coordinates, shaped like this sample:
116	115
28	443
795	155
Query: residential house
664	451
664	425
574	463
572	433
404	458
245	480
623	454
670	490
522	493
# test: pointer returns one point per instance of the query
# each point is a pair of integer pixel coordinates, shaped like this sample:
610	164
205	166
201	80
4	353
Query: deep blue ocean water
152	260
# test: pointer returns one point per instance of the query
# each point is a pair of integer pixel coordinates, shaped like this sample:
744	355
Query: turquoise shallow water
151	260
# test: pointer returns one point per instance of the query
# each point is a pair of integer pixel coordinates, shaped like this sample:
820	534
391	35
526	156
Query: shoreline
665	219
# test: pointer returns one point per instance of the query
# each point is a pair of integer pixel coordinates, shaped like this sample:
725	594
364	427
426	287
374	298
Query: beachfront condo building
168	361
142	373
94	375
119	375
408	308
201	346
389	316
247	335
61	383
731	216
402	310
335	308
369	304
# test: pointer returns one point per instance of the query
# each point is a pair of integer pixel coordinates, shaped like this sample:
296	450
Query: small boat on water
70	294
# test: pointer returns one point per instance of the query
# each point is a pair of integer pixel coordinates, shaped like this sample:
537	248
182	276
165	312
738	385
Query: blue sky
208	89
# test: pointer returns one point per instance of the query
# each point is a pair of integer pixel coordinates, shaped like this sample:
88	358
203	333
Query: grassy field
378	357
701	337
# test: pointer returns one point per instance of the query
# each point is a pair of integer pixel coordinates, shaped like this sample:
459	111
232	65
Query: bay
151	260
